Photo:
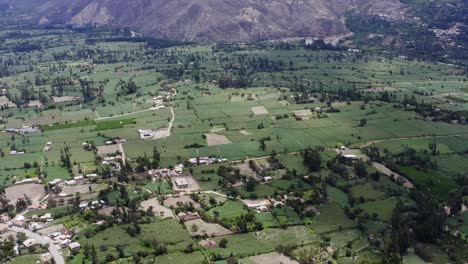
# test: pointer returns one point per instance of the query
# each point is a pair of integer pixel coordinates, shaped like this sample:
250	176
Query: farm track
126	114
415	137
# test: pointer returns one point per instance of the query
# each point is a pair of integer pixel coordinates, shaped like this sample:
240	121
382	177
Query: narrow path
382	168
415	137
126	114
171	122
124	158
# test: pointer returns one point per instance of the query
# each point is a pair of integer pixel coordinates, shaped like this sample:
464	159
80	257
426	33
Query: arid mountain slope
216	20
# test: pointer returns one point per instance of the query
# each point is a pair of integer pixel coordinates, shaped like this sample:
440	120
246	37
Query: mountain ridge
215	20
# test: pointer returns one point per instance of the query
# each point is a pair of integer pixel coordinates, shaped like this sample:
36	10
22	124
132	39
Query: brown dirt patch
34	191
202	227
259	110
215	139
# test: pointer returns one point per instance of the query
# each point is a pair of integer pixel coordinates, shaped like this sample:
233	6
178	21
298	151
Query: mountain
213	20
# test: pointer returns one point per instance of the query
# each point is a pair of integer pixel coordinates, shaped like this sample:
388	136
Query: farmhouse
31	242
74	247
48	146
70	182
257	204
146	134
46	258
267	179
179	168
350	156
208	243
184	183
181	183
188	216
79	179
55	181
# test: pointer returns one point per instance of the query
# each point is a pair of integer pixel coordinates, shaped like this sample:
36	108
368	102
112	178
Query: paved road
53	249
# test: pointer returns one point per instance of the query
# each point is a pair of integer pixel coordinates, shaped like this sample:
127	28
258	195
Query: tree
455	201
21	205
251	184
223	243
363	122
430	217
360	169
312	159
399	229
156	158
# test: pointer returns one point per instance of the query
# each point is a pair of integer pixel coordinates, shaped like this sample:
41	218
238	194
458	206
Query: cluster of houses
342	151
77	180
21	131
265	205
115	141
181	182
205	160
158	101
92	204
63	238
113	162
34	222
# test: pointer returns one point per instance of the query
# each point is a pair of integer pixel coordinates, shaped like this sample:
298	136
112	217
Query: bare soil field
108	149
173	201
33	191
158	209
245	132
215	139
62	99
379	89
303	114
82	189
244	169
217	129
199	227
35	103
271	258
4	101
259	110
106	211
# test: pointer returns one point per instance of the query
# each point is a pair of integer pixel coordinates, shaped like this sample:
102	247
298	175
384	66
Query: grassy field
229	209
293	98
25	259
331	218
439	185
243	245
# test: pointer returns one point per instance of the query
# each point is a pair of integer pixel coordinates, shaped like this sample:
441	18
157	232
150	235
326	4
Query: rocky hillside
214	20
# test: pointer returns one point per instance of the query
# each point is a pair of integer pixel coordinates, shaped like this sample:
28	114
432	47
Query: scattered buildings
205	160
21	131
259	205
